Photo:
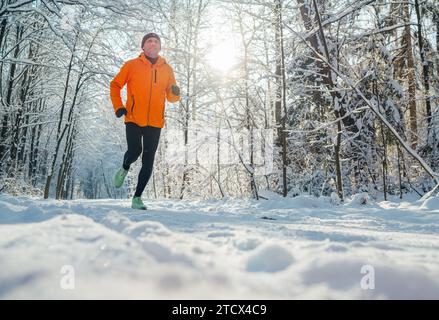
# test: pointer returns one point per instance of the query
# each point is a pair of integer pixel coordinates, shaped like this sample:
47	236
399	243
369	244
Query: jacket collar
160	60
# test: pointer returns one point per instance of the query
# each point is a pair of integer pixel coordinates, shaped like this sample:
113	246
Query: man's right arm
116	86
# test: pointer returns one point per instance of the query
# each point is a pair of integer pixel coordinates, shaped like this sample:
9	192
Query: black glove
175	90
120	112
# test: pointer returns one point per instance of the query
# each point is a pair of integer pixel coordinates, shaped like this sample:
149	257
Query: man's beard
150	54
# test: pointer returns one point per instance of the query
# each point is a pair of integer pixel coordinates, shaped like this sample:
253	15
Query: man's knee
133	155
148	156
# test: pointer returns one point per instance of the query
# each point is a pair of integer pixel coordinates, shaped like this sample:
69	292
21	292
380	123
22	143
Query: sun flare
222	56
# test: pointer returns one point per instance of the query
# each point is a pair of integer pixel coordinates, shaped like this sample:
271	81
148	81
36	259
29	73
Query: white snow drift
294	248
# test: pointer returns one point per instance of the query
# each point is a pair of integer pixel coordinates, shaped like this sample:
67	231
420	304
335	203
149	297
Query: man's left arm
172	90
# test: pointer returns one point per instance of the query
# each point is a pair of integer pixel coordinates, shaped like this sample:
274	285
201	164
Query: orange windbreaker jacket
148	86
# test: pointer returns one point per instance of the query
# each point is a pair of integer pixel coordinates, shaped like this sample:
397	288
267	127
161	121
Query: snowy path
218	249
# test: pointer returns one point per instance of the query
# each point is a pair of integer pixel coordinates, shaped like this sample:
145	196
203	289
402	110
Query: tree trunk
410	78
425	69
327	80
281	92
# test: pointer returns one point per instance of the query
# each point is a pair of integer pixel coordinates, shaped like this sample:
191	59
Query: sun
222	56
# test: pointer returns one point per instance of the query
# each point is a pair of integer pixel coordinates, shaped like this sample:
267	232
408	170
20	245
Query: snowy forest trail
218	248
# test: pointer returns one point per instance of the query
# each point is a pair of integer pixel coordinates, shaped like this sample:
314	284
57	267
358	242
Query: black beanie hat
151	35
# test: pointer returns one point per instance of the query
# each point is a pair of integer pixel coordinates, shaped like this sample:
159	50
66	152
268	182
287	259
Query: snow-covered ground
218	249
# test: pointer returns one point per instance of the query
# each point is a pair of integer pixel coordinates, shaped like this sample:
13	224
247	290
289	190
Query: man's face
151	47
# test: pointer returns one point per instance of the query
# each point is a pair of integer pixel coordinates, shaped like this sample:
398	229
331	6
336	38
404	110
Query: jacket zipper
155	76
150	94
